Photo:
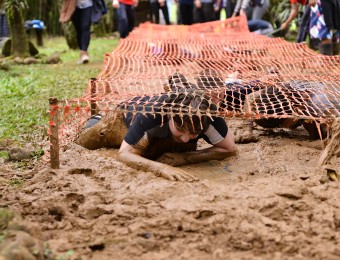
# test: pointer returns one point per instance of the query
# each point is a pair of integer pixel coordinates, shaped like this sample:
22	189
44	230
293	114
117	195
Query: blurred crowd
320	21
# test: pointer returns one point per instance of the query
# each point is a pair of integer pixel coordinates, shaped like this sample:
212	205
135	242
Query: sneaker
93	120
84	59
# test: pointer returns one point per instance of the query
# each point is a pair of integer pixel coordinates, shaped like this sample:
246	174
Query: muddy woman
161	131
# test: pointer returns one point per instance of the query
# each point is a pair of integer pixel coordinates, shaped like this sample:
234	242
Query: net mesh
243	74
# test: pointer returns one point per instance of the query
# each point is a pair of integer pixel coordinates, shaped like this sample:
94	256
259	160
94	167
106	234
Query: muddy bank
265	203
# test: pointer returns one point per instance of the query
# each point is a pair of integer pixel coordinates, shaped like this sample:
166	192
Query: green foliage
66	255
4	154
17	183
25	89
281	10
5	217
38	153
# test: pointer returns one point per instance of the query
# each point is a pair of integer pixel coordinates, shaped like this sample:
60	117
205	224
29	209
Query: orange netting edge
244	74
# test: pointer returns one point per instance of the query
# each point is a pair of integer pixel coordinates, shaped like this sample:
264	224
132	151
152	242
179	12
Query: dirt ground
266	203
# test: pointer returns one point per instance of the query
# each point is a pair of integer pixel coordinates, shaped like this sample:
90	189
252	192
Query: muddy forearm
157	168
213	153
140	163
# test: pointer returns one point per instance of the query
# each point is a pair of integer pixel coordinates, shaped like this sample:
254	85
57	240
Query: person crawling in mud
281	103
162	134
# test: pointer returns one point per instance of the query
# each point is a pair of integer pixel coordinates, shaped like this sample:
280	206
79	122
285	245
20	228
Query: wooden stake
93	96
54	136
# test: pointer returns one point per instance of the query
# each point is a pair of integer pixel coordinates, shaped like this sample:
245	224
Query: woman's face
179	134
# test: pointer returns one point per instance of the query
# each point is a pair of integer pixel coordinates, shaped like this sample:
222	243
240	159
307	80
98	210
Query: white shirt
84	3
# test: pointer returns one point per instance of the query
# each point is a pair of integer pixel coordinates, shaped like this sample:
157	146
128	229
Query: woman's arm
219	151
133	158
293	13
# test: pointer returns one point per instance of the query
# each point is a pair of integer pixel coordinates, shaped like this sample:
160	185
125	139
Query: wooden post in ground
327	162
54	136
93	97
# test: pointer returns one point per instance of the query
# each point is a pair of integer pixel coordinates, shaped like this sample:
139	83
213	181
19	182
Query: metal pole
54	136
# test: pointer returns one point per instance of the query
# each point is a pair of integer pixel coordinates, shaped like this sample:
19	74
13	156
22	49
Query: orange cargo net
244	74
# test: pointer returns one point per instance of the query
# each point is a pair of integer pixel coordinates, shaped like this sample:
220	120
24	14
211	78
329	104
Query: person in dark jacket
186	11
157	5
4	28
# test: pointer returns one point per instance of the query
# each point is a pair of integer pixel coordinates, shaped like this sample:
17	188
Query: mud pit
265	203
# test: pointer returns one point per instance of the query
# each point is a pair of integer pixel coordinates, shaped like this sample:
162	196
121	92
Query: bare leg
109	132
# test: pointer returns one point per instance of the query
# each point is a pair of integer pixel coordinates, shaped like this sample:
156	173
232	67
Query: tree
19	39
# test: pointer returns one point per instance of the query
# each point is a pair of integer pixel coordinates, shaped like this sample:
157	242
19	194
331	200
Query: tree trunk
19	47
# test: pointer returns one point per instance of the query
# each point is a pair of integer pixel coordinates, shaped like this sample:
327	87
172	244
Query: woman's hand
173	159
284	26
175	174
133	158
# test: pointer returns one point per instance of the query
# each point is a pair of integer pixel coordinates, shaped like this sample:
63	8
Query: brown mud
268	202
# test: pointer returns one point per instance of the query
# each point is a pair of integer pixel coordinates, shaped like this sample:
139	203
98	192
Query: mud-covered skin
176	159
110	132
107	133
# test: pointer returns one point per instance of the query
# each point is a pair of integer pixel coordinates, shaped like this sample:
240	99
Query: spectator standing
204	10
325	25
186	11
126	15
303	31
4	29
82	13
228	6
157	5
254	9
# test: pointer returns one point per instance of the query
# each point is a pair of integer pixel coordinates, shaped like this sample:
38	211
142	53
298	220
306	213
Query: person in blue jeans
204	11
126	15
82	13
157	5
261	27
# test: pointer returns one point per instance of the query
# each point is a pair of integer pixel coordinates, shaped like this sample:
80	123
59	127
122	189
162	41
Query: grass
25	89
